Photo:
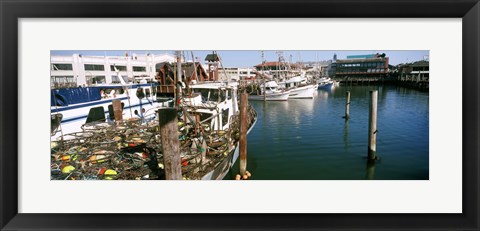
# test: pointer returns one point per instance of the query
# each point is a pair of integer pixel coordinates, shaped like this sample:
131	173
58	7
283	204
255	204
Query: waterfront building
416	71
237	73
371	66
279	69
81	70
332	67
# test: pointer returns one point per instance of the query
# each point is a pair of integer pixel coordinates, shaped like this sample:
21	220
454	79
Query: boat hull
224	167
270	97
305	92
326	86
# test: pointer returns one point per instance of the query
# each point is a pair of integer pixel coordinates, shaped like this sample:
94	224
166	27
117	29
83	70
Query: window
154	91
115	79
139	68
96	79
61	67
147	92
62	79
119	68
93	67
225	117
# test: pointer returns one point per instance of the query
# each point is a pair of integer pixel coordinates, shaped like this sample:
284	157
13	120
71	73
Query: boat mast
263	75
176	80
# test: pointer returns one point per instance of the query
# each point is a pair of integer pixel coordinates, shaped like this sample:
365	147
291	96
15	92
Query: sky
237	58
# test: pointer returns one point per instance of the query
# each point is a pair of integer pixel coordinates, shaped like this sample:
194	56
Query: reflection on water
345	135
308	138
370	170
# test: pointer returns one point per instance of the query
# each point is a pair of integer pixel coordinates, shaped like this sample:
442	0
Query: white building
236	73
80	70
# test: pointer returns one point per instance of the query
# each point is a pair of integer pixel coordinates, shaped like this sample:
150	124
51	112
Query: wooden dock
404	82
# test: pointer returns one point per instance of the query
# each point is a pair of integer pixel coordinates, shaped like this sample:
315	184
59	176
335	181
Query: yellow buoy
237	177
68	169
108	173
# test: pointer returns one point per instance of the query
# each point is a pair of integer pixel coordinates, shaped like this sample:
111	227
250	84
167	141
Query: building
167	72
279	69
416	71
79	70
236	73
371	66
318	68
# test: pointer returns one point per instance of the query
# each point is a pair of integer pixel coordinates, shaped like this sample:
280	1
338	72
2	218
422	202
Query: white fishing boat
269	92
214	106
298	88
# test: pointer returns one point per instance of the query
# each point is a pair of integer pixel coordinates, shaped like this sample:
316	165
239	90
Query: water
307	139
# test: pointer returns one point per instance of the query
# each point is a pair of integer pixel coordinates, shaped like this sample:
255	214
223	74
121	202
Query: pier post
347	106
370	170
117	109
372	126
170	143
243	132
264	90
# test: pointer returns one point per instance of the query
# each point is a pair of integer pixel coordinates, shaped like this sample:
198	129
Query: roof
212	57
360	56
268	64
421	63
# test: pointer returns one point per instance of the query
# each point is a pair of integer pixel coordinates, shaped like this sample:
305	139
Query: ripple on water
308	139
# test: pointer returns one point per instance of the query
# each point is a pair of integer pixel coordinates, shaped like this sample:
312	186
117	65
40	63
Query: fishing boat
212	108
73	107
298	88
325	83
269	91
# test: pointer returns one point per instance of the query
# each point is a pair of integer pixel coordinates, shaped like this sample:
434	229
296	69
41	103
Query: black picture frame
12	10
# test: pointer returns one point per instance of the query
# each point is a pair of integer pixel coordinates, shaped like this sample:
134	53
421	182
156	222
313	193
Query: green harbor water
307	139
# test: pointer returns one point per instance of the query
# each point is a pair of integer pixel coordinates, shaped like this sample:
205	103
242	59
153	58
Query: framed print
431	184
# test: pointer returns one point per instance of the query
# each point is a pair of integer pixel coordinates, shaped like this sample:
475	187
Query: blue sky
251	58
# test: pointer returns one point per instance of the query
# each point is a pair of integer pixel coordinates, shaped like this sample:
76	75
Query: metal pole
179	78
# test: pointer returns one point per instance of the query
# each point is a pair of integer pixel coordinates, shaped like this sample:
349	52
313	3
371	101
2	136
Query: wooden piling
117	109
170	143
347	106
372	125
264	90
243	132
370	170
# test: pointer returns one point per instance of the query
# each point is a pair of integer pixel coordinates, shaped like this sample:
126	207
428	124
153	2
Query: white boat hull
224	167
305	92
270	97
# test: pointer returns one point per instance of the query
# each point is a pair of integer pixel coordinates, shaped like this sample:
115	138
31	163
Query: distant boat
272	93
325	84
